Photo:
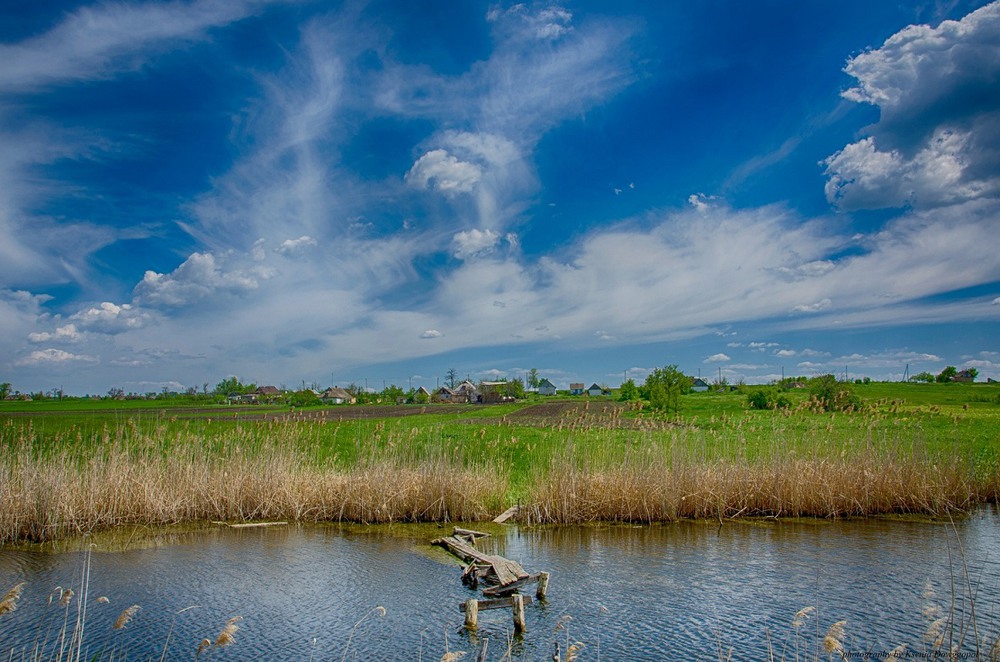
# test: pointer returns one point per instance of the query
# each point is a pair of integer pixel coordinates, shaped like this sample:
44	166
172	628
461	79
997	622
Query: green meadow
71	467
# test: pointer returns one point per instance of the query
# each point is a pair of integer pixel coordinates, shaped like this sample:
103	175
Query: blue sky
315	192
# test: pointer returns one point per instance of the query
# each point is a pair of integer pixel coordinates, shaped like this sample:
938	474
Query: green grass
924	425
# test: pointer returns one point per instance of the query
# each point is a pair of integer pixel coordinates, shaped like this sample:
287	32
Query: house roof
546	383
336	392
267	390
423	390
595	386
577	385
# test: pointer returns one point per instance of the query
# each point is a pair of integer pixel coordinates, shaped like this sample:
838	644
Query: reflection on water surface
689	590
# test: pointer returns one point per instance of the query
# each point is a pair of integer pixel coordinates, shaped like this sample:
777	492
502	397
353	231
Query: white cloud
53	356
94	41
431	333
108	317
785	353
295	246
996	302
718	358
546	24
470	243
940	121
199	277
701	202
815	307
67	333
443	172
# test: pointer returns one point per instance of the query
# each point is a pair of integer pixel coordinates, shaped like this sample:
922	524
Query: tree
833	395
664	387
392	393
304	398
515	388
4	390
947	375
533	379
451	377
923	377
628	391
231	385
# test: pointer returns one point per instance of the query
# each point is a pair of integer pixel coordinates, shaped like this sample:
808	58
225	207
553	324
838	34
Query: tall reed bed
159	470
715	475
51	488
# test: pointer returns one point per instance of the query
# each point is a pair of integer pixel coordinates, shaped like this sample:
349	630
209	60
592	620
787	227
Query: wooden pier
505	578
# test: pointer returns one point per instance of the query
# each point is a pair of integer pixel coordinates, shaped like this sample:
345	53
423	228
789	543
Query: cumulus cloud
700	201
200	276
718	358
295	246
67	333
108	317
431	333
443	172
470	243
53	356
936	140
545	24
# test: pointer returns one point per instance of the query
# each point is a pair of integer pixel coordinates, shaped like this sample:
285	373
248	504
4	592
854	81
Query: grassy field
75	467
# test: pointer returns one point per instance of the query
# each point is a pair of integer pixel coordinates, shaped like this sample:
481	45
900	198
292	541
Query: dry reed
9	602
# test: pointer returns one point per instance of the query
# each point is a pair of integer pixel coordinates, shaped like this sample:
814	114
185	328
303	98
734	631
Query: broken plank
512	586
498	603
507	514
250	525
469	532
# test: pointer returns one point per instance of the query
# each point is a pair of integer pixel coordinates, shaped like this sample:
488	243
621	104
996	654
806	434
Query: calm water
674	592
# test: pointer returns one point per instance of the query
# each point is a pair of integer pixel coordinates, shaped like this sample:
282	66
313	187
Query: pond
681	591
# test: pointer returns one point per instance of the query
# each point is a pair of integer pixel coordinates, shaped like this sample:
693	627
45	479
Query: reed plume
124	617
9	602
228	633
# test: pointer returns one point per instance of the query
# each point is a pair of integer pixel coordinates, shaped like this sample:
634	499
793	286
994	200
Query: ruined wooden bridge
505	578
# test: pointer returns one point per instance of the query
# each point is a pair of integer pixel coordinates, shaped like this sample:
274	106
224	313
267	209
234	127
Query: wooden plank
504	571
497	603
469	532
512	586
250	525
507	514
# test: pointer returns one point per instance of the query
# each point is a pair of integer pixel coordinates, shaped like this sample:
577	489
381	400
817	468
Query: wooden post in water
518	612
471	613
543	585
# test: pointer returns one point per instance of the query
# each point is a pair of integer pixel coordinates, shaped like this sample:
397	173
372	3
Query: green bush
833	395
767	398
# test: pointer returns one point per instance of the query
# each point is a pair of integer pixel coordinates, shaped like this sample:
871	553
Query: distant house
256	396
965	376
337	396
492	392
545	387
595	390
445	394
699	385
422	395
576	389
464	392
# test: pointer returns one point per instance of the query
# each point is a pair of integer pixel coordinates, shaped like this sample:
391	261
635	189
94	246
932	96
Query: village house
576	389
337	396
699	385
545	387
595	390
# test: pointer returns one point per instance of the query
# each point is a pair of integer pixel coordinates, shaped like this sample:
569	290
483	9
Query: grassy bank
912	449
